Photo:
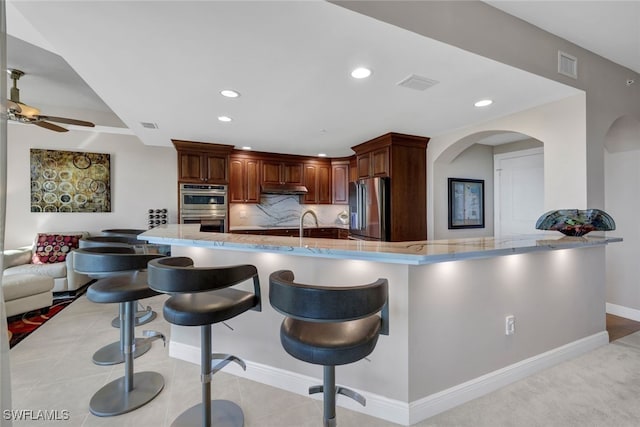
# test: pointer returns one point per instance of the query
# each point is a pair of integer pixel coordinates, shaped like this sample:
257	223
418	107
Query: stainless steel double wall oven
205	205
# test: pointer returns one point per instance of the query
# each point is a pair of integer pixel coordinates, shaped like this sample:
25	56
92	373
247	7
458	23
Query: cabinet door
252	178
324	189
216	167
380	162
310	181
364	165
190	166
340	184
236	181
271	172
292	173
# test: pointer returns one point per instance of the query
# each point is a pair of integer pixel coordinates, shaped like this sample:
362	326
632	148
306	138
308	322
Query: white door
519	191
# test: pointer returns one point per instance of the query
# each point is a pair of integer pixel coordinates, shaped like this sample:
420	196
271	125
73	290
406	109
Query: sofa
33	273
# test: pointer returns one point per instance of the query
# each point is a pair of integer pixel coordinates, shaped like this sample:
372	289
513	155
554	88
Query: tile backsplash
281	211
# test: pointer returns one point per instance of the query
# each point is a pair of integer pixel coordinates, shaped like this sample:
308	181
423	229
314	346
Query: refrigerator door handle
361	206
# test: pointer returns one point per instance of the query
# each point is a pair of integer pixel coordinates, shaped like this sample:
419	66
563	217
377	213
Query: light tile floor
52	370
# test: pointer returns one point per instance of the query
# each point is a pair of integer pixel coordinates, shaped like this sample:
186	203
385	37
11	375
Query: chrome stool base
112	354
224	413
113	399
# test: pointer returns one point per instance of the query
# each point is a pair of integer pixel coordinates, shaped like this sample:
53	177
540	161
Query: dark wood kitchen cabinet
340	181
244	179
275	171
317	179
373	163
403	160
202	163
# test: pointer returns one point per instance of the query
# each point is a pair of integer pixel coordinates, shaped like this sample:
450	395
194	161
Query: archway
622	202
516	192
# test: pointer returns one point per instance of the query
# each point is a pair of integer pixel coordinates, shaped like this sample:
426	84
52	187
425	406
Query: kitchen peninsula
448	303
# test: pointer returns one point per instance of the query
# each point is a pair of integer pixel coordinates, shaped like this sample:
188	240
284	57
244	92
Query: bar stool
329	326
201	297
143	314
132	390
85	261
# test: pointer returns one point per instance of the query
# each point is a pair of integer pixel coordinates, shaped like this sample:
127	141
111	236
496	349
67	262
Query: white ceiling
165	62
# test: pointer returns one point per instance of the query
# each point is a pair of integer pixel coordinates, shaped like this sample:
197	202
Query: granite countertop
418	252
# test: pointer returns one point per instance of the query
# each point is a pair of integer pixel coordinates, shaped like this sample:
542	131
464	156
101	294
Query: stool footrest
343	391
219	361
150	336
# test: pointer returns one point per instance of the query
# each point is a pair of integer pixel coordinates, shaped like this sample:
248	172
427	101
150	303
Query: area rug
21	325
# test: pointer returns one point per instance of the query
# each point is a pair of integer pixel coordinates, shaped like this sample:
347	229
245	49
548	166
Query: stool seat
206	308
330	343
121	288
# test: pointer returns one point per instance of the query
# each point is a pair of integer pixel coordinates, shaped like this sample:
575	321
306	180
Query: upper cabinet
244	181
373	163
340	181
317	179
202	163
281	171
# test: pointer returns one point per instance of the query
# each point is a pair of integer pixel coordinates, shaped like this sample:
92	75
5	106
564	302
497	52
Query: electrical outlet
243	214
510	325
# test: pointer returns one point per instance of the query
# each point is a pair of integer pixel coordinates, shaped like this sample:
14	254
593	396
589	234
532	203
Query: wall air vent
567	65
149	125
417	82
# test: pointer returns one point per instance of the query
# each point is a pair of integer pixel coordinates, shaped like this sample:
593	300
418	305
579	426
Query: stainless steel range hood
283	189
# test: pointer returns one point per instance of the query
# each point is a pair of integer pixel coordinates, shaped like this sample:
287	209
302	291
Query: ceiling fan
24	113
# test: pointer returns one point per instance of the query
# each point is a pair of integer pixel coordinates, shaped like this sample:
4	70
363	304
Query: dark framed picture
466	203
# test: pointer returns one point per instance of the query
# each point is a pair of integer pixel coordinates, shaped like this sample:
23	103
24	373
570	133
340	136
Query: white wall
142	177
561	128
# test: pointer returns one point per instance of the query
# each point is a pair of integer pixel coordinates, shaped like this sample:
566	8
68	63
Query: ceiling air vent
567	65
417	82
149	125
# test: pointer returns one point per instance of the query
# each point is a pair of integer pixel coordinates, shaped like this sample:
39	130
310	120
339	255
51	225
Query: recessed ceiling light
246	147
229	93
224	118
483	103
322	154
361	73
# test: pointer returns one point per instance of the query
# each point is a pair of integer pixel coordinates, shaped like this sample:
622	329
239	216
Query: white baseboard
404	413
622	311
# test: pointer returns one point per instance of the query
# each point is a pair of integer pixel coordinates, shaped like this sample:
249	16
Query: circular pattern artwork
68	181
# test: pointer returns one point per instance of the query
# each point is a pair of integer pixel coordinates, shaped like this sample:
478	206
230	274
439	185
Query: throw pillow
50	248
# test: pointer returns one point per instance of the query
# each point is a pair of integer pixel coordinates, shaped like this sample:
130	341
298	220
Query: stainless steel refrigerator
369	209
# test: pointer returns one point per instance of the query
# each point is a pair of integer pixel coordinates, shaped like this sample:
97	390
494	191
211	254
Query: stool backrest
110	259
316	303
95	241
178	275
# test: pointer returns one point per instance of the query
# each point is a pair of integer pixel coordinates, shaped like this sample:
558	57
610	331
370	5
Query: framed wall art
466	203
70	181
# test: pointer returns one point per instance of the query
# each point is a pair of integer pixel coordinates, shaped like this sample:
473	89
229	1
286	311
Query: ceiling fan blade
50	126
13	106
66	120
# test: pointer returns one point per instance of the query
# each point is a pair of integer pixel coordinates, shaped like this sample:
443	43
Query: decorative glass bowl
575	222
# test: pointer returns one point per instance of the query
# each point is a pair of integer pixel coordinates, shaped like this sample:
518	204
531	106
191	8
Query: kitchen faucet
313	214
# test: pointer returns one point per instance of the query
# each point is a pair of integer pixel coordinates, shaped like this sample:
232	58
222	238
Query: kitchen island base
447	342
